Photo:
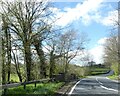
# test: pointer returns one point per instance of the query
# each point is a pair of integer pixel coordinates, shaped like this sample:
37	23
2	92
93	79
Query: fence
58	77
7	86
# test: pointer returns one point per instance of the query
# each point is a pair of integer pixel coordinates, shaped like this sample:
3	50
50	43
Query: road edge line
74	87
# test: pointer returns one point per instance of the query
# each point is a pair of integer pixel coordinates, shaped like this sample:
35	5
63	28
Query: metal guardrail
6	86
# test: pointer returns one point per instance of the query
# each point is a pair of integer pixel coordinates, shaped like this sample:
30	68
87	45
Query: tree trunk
9	55
3	63
17	66
28	59
5	28
66	68
19	75
52	64
43	64
40	52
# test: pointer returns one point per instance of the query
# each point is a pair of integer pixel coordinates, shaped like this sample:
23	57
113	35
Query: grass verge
47	89
113	77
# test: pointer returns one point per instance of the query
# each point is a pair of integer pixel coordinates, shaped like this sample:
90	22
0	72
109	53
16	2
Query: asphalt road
96	86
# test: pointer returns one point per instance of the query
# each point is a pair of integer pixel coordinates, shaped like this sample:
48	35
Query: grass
14	78
82	77
44	89
98	71
113	77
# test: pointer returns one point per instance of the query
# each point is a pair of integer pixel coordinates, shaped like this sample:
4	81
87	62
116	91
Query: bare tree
111	51
15	58
28	20
3	61
6	40
112	45
71	45
52	46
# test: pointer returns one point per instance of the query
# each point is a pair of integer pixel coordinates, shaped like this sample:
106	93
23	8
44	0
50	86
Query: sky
94	17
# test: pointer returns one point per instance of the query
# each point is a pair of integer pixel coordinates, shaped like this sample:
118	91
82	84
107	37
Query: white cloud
97	53
78	59
110	19
102	41
80	11
80	0
87	12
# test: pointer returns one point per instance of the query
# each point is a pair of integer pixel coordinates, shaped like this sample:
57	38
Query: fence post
35	84
5	91
24	84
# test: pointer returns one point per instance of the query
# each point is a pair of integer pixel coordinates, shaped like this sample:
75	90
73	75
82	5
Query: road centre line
99	81
105	87
112	80
101	85
108	88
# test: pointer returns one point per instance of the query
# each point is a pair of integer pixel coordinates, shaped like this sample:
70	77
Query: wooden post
5	91
24	84
35	84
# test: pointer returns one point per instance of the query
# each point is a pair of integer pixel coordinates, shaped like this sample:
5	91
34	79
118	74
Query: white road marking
112	80
101	85
107	78
109	88
73	88
99	81
106	87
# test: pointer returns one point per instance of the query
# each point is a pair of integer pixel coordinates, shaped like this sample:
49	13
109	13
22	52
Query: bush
115	67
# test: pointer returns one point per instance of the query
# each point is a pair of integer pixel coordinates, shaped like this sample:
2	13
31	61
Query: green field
46	89
98	71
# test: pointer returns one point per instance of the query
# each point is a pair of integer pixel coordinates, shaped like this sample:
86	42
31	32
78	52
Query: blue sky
94	17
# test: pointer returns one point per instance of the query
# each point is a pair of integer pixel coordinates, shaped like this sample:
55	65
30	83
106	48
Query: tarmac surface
96	86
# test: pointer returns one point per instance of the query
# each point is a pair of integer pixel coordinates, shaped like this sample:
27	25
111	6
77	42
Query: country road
95	86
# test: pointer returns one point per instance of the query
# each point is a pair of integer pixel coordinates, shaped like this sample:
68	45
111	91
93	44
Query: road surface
95	86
